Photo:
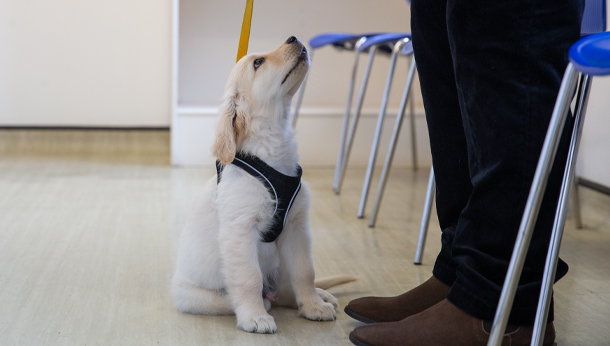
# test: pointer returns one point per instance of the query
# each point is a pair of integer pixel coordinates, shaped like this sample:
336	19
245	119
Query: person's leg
509	59
445	129
450	161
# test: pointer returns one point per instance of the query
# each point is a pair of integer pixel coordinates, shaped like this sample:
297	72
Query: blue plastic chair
589	57
370	43
593	21
407	50
342	41
401	46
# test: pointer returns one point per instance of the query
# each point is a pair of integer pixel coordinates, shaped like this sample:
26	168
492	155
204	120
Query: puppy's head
258	85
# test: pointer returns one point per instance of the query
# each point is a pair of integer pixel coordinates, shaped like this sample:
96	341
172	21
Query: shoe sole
358	342
357	317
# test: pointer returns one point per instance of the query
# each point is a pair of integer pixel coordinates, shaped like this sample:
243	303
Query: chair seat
337	39
591	54
407	49
384	40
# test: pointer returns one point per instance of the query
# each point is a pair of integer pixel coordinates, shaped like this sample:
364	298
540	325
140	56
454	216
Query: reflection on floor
87	251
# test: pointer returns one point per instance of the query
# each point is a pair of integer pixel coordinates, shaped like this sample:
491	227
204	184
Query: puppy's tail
332	281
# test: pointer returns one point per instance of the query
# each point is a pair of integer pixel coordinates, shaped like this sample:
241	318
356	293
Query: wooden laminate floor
87	251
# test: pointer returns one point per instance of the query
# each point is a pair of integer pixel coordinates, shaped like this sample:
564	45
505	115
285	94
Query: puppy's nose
291	39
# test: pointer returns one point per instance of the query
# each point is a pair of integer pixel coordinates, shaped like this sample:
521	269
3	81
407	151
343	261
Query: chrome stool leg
576	203
297	106
425	218
407	95
413	134
550	268
386	95
526	228
350	94
355	118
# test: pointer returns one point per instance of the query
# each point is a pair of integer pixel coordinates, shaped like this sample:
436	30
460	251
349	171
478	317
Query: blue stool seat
337	39
591	54
407	49
384	40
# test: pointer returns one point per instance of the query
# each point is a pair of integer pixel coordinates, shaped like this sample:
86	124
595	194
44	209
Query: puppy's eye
258	62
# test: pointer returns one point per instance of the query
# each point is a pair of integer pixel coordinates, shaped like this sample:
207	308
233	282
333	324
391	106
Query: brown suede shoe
393	309
443	324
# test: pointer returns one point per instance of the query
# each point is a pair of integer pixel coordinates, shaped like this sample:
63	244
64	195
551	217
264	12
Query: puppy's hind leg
285	294
192	299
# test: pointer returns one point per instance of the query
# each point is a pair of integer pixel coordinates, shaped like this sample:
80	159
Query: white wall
85	63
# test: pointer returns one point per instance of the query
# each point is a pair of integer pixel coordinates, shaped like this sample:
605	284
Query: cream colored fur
222	264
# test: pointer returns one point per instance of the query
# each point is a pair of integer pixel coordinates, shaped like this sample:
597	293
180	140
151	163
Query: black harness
283	189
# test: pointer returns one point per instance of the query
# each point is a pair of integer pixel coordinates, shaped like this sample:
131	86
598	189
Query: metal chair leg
386	95
550	268
425	218
350	94
407	95
297	107
526	228
355	118
413	134
576	203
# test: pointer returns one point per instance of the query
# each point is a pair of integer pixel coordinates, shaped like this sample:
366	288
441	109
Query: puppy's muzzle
300	50
294	40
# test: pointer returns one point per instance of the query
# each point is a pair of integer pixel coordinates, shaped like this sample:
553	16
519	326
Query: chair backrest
594	17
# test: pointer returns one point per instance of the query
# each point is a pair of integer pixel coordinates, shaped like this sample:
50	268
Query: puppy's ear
232	128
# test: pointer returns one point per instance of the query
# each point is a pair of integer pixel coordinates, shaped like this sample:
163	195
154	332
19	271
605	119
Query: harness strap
282	188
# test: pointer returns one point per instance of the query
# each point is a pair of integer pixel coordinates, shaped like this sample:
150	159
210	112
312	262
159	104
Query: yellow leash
242	49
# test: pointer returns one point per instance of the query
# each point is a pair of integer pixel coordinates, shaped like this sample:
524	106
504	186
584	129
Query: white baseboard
318	135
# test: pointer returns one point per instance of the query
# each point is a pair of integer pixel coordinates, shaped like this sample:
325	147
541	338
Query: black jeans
489	74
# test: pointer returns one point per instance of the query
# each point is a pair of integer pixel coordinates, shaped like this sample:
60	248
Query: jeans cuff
444	273
466	299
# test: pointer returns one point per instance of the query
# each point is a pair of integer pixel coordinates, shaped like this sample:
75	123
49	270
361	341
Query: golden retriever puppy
226	264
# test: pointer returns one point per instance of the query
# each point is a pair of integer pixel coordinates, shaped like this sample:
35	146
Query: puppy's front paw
262	324
318	311
327	297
